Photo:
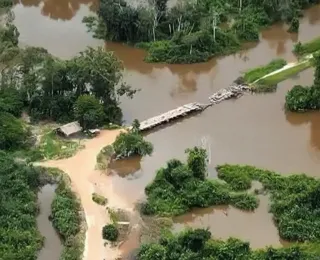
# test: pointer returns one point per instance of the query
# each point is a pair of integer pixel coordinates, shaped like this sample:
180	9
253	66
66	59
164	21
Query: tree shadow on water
312	118
125	167
59	9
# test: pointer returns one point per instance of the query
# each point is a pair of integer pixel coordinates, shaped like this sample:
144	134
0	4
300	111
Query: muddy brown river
252	130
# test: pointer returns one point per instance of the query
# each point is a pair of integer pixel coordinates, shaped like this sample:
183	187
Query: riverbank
85	180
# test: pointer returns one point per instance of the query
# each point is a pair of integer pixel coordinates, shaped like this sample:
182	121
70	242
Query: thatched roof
70	128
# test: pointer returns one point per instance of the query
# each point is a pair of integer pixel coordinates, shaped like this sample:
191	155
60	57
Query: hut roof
70	128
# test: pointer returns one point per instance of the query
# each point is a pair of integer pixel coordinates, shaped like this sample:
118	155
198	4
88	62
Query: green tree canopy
89	112
12	132
132	143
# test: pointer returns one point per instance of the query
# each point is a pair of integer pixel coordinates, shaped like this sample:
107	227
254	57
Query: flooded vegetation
253	130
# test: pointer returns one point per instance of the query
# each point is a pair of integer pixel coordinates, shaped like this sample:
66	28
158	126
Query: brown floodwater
52	244
254	129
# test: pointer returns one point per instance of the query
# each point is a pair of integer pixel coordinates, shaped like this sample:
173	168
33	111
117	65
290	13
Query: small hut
69	129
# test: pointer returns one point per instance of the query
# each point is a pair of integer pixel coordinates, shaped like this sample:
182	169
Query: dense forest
191	31
86	88
19	236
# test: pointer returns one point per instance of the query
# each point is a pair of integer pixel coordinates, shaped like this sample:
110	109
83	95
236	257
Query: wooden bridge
223	94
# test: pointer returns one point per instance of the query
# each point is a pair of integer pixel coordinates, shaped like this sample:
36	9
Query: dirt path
86	180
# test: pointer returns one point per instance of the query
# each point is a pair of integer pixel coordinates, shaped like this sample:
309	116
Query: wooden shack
69	129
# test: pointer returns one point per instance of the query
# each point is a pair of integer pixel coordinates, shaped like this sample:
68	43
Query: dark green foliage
197	162
191	32
13	134
179	187
6	3
294	200
65	212
8	41
305	98
110	232
294	25
11	101
50	87
89	112
244	201
246	29
131	143
196	244
20	239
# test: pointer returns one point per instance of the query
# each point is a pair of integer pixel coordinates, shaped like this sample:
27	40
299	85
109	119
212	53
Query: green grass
54	147
257	73
307	48
285	74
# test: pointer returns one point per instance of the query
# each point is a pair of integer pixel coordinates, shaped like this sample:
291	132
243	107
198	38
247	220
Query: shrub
110	232
131	143
65	212
294	25
99	199
298	98
244	201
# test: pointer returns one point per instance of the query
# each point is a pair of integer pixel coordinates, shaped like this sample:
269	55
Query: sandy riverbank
86	180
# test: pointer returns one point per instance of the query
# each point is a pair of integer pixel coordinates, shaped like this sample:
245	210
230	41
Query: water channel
252	130
52	244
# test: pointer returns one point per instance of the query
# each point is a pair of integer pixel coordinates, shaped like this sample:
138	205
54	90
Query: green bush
131	143
110	232
65	212
244	201
306	98
99	199
294	25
